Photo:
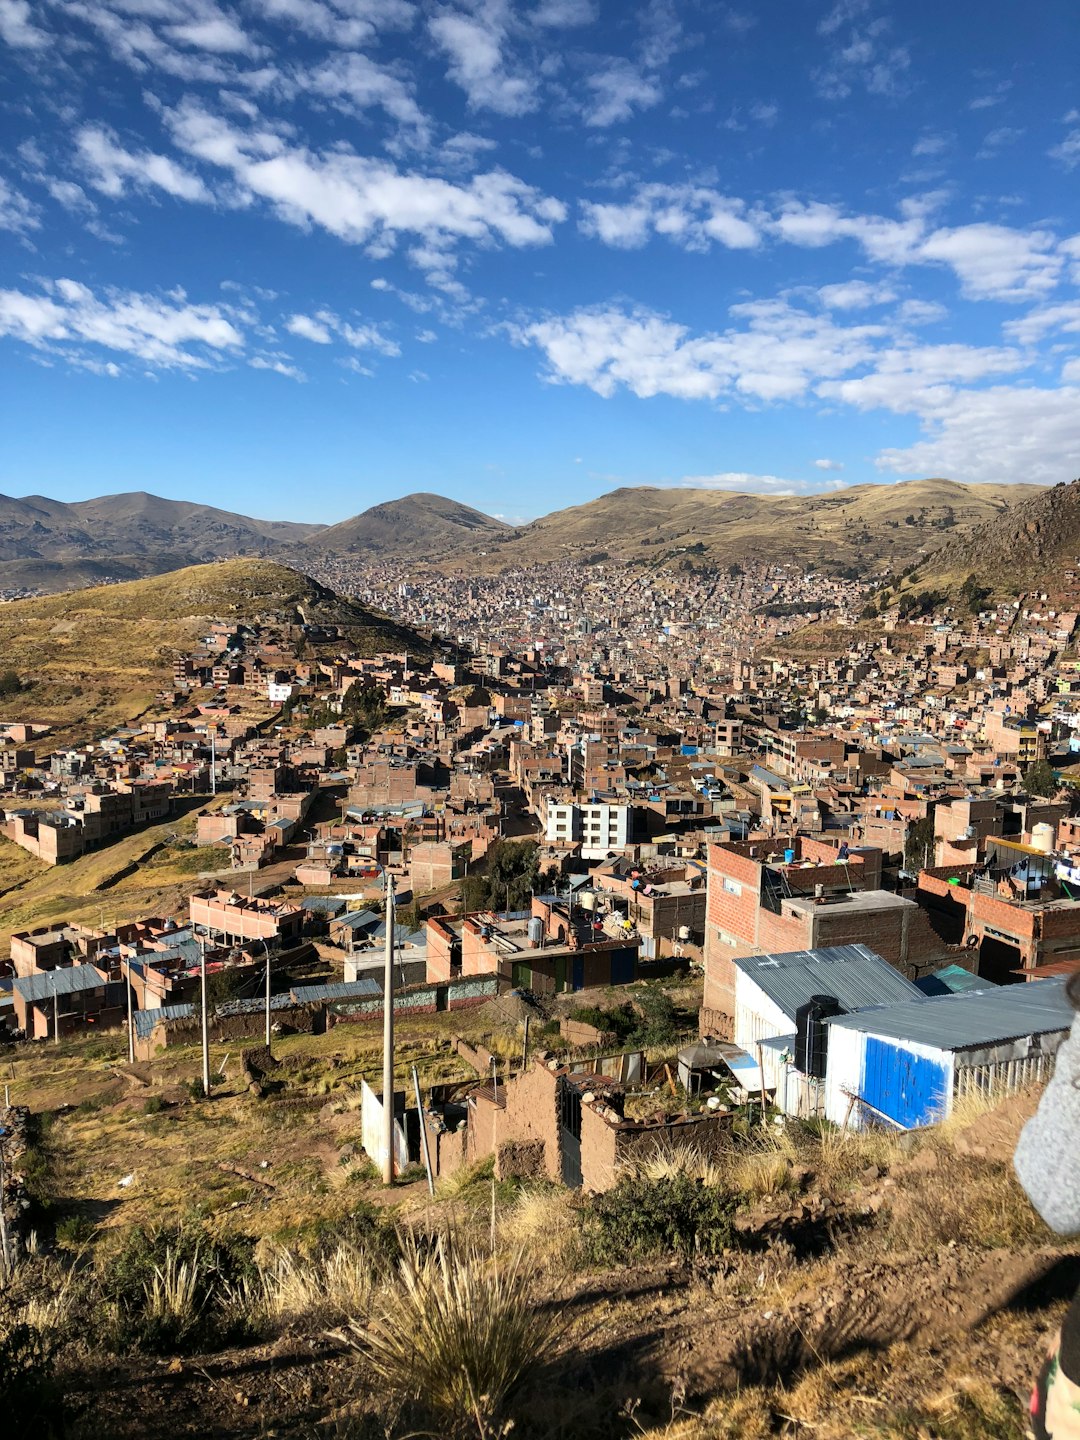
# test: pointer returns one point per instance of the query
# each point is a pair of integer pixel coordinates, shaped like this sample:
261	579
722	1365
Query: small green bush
640	1218
168	1290
154	1105
74	1231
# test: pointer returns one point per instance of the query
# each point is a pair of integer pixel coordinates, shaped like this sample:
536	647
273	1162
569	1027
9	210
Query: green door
521	975
560	973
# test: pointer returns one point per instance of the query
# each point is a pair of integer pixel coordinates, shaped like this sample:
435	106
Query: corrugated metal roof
339	990
68	981
145	1020
856	975
972	1019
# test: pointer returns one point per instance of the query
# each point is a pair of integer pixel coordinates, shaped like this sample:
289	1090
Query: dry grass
673	1162
456	1334
543	1223
323	1290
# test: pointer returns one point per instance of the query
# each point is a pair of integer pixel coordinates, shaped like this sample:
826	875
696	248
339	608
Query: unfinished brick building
775	896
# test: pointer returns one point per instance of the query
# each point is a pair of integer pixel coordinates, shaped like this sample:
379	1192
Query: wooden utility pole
388	1038
55	1011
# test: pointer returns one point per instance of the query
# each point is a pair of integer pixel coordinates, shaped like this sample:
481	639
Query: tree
10	684
919	844
511	874
1040	780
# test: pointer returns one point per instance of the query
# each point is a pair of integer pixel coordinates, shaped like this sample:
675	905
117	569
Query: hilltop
104	652
873	528
419	526
1028	547
117	536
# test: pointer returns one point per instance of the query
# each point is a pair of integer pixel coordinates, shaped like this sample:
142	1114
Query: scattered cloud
744	483
1004	433
828	465
618	89
364	200
17	213
563	14
110	168
17	29
324	325
475	44
1068	151
855	295
693	217
776	354
163	331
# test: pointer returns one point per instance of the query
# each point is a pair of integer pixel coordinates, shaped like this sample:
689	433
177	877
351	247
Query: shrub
154	1105
169	1289
455	1334
326	1288
642	1217
74	1231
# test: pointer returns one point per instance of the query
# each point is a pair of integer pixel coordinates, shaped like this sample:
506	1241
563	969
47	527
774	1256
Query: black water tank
811	1034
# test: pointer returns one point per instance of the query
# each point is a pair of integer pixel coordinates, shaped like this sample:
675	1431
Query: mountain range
50	545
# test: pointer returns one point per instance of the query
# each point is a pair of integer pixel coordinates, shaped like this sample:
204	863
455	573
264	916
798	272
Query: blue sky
293	257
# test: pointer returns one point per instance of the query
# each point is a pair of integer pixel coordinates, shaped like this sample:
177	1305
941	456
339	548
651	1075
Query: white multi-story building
599	828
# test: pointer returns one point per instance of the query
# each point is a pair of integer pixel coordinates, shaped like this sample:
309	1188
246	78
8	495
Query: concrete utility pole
205	1027
55	1011
266	947
388	1038
213	760
131	1023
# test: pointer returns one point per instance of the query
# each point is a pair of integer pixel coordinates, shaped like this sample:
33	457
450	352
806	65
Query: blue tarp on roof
951	980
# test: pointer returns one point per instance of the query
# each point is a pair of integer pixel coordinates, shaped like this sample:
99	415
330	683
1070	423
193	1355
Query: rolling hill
872	527
49	544
416	527
99	655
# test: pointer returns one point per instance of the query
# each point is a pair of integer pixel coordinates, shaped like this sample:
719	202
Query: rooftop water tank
536	931
1042	837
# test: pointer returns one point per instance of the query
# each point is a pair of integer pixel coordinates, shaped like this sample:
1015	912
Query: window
732	886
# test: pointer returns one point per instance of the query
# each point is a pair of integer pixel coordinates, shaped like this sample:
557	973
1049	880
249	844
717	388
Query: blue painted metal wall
909	1089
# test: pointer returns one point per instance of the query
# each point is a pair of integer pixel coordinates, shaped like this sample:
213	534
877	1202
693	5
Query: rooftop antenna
388	1038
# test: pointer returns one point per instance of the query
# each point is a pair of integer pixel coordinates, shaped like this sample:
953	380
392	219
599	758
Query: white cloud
167	332
855	295
17	213
868	59
17	29
364	200
618	89
691	216
1068	151
930	144
1004	433
915	379
777	355
1036	324
745	483
215	32
348	23
321	328
994	262
474	45
564	13
308	328
109	167
358	83
828	465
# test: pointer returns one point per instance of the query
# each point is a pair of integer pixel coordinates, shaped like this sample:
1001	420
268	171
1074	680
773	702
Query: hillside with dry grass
231	1267
875	529
99	656
1029	547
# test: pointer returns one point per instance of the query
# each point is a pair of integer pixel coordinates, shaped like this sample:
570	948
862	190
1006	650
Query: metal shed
903	1064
